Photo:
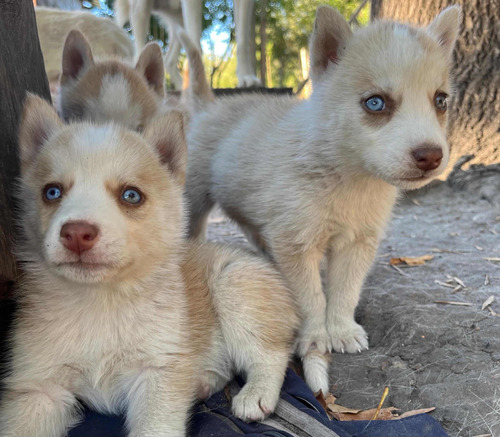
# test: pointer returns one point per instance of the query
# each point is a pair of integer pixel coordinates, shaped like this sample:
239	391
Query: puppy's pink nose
427	158
79	236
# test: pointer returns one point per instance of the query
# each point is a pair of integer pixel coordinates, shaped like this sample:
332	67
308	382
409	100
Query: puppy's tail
196	90
315	366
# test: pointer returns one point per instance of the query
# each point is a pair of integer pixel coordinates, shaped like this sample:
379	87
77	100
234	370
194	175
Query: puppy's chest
354	209
100	339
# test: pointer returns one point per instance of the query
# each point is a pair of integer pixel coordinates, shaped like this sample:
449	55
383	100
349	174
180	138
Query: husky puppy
318	178
115	311
110	89
89	78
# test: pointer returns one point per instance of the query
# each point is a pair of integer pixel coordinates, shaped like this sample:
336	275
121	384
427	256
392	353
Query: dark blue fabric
214	419
98	425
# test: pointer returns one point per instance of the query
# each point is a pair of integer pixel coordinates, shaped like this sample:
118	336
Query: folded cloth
298	414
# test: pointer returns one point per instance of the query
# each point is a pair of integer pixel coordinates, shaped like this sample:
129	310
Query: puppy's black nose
427	158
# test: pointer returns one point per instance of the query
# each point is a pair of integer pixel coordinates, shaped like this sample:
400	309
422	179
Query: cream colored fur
88	82
141	322
110	88
315	179
105	36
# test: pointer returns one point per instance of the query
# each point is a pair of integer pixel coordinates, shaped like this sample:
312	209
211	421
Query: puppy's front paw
253	404
346	336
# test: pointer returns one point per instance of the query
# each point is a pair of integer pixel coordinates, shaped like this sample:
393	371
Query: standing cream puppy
318	178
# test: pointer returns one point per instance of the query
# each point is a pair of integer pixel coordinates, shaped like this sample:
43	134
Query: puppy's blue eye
440	102
375	104
132	196
52	192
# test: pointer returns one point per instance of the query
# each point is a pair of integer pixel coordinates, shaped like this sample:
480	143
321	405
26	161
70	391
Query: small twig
443	284
384	395
400	271
450	302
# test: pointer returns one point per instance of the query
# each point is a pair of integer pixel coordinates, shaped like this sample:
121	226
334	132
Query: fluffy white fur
110	88
315	179
140	323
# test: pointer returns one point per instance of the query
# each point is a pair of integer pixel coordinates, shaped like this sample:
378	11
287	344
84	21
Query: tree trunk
21	70
263	42
474	123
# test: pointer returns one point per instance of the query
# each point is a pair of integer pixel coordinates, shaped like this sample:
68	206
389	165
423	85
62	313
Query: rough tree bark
21	70
474	126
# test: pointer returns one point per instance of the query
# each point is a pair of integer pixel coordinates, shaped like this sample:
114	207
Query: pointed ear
77	56
38	123
445	28
329	38
150	65
166	134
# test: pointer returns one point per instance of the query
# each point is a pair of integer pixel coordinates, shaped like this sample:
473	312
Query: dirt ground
429	354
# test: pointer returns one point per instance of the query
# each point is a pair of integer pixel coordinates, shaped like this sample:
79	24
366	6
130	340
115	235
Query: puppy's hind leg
199	201
140	14
258	323
315	365
41	409
171	59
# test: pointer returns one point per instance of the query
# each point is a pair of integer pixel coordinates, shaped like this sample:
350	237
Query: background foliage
288	25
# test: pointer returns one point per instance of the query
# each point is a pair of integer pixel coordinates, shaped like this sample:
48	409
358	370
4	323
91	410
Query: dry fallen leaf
449	302
411	261
415	412
324	400
486	280
488	302
492	259
388	413
339	412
